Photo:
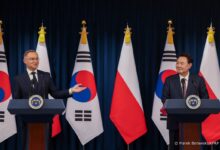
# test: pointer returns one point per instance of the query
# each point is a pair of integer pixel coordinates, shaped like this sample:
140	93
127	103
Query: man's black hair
189	58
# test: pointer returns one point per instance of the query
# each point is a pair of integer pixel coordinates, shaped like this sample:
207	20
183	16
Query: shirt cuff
70	91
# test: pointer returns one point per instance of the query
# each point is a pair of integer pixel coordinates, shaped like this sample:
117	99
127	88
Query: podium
178	111
37	121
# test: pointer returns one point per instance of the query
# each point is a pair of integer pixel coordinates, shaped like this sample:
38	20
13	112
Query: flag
44	65
209	70
127	112
82	110
167	68
7	121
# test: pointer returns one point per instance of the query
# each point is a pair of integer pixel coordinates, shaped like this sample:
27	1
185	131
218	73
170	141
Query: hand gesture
77	88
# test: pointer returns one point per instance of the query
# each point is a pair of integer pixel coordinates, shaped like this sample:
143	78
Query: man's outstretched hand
77	88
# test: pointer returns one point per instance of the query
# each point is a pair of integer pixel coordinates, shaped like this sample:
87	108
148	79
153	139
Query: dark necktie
34	80
183	81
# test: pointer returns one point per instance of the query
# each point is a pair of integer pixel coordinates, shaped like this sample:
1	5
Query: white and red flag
209	70
44	65
127	112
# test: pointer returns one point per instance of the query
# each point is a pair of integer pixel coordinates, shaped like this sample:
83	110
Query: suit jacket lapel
179	88
189	87
40	81
28	84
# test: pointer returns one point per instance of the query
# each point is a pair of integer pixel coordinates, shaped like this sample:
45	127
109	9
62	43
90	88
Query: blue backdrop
106	20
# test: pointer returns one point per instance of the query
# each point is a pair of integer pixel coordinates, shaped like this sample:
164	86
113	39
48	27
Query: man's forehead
182	59
32	54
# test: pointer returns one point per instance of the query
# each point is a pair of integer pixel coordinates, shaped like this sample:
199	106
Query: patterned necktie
34	80
183	81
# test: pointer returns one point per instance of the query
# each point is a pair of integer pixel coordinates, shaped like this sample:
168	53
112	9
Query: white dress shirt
186	80
31	75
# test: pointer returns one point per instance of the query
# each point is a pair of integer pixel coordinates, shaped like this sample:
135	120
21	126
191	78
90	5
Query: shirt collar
29	71
186	77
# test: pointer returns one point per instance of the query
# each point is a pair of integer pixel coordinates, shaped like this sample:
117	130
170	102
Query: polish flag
127	112
44	65
209	70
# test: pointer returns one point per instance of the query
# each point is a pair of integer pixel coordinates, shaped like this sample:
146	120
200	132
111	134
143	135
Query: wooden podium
37	121
190	119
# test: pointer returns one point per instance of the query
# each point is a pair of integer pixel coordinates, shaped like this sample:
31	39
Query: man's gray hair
29	51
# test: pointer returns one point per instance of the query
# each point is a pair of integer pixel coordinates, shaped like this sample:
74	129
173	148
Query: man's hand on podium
76	89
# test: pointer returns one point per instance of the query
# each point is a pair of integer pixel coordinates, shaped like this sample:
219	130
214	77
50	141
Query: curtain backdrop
106	20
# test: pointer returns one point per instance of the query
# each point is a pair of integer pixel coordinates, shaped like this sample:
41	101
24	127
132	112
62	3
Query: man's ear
190	65
24	61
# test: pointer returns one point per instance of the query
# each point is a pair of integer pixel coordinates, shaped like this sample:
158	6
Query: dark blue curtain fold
106	21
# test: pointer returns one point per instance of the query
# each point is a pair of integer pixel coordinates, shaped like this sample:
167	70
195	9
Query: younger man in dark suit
180	86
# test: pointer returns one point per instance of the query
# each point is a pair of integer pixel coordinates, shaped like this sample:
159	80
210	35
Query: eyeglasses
33	59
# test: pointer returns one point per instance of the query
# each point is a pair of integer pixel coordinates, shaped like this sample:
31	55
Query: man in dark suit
34	81
180	86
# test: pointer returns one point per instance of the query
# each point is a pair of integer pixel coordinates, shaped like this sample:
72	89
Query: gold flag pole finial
211	33
42	34
170	32
1	33
127	35
83	33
